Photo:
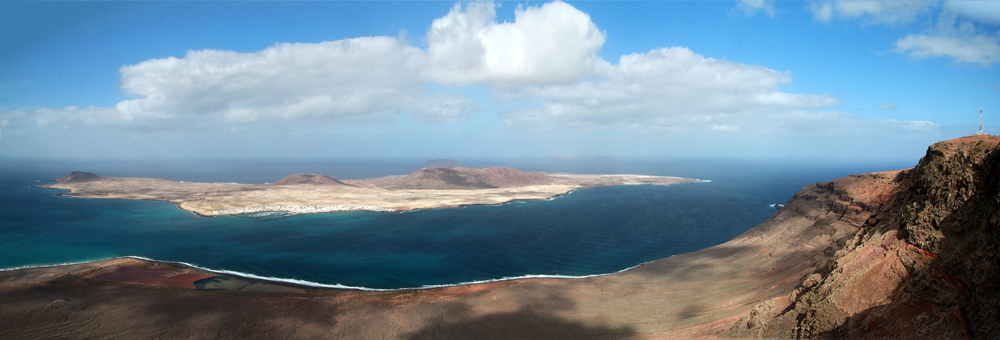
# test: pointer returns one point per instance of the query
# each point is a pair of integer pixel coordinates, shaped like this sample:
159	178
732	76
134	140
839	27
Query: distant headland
443	163
427	188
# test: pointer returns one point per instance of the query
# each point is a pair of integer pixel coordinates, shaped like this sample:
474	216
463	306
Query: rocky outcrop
468	178
79	177
309	179
923	265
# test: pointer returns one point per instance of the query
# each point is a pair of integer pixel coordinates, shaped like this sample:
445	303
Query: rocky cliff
923	264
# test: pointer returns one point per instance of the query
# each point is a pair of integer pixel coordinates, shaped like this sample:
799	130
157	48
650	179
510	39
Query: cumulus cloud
986	12
669	88
553	43
544	63
954	38
974	49
353	79
872	12
285	81
752	7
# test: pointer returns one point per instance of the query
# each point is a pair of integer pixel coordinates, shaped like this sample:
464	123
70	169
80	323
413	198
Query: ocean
587	232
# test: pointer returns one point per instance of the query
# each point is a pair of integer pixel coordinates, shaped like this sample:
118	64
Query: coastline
689	295
102	263
218	199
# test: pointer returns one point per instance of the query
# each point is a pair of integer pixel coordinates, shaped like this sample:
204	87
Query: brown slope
468	178
312	179
925	265
79	177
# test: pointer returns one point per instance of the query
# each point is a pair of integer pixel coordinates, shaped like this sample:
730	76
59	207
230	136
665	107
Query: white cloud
964	48
955	38
359	79
669	88
544	62
353	79
752	7
822	11
726	128
329	80
807	123
872	12
987	12
553	43
887	106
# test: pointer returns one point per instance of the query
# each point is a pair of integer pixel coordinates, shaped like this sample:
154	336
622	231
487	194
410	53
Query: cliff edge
923	265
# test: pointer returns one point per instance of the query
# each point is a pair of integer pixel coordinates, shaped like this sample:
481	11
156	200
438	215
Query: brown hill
468	178
79	177
923	265
309	179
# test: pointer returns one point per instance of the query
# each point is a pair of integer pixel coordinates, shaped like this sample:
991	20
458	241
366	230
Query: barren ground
210	199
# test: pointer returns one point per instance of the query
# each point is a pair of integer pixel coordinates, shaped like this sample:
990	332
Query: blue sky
837	81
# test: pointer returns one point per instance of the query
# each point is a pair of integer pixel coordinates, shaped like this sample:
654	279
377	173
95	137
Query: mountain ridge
923	264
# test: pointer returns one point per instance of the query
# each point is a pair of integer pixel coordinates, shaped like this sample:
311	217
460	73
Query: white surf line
301	209
60	264
337	285
340	286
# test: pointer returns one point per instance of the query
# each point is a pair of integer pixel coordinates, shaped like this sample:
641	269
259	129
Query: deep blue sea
588	232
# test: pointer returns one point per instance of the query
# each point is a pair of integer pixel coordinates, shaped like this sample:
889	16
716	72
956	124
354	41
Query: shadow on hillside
535	320
692	266
81	310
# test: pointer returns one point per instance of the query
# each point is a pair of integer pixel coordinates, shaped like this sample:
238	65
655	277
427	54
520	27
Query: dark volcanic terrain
79	177
468	178
308	179
906	254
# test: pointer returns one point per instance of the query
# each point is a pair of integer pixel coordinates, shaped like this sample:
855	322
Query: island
427	188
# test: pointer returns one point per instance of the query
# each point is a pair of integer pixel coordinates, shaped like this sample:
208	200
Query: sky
823	81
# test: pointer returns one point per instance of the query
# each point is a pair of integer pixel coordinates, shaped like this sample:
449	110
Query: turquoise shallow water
591	231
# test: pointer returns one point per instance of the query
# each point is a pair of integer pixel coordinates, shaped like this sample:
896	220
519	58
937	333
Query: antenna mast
980	121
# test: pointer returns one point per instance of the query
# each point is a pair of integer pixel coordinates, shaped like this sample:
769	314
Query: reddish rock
79	177
924	265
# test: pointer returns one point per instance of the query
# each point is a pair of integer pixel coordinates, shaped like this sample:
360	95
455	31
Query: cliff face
923	264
